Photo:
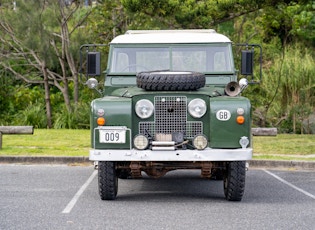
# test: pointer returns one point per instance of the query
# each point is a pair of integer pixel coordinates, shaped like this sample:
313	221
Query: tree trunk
47	98
294	124
66	96
66	54
76	88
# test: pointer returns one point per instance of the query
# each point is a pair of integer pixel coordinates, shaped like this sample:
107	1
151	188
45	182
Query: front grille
170	116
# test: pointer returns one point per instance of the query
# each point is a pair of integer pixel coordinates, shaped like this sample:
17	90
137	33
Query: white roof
170	36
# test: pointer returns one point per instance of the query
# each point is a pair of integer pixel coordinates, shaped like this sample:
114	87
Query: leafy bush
76	119
34	115
287	95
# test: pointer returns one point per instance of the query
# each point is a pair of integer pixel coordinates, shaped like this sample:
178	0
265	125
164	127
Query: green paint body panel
227	134
118	112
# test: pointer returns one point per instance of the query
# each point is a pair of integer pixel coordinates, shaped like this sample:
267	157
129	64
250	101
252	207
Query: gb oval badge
223	115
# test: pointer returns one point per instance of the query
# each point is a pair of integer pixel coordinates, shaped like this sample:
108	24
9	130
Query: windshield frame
203	52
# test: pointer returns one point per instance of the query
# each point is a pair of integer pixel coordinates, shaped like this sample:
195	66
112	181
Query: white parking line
291	185
76	197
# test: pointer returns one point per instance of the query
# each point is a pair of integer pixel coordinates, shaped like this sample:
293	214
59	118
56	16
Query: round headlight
144	108
200	142
197	108
141	142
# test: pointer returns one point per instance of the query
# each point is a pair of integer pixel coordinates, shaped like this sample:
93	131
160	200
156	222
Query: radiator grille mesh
170	116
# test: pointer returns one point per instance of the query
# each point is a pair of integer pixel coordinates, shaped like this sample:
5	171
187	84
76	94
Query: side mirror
93	63
247	62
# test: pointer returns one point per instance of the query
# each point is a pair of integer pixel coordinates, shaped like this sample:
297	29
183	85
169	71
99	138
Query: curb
43	160
301	165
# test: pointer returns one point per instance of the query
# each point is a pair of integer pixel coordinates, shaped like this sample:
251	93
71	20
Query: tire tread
107	180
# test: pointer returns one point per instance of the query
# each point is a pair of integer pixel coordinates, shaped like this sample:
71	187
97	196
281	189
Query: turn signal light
240	120
100	121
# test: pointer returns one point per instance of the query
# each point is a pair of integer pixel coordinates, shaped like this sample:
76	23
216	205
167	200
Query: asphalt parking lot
66	197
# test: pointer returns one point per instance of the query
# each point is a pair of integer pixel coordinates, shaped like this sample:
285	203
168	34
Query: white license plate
112	136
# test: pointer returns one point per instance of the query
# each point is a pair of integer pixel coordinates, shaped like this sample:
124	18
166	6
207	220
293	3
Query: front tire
107	180
234	180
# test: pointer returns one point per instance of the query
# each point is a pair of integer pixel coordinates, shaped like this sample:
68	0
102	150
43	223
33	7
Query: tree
193	14
107	20
289	21
36	45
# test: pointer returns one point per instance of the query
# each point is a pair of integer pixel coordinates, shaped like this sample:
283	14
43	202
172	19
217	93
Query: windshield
214	58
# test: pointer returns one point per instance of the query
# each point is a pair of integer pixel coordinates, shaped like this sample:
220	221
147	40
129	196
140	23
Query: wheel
170	80
107	180
234	180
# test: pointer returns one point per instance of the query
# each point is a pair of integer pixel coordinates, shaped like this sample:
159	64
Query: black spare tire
170	80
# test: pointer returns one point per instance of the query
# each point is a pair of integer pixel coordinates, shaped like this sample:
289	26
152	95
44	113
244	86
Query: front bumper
208	154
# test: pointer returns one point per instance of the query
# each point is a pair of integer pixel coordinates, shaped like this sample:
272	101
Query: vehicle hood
130	92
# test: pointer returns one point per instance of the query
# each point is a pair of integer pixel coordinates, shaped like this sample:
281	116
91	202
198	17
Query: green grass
285	144
48	142
65	142
285	147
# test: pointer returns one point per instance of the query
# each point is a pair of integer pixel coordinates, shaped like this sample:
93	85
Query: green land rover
171	100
